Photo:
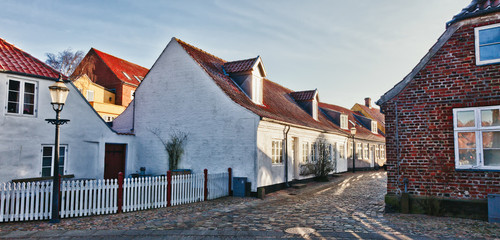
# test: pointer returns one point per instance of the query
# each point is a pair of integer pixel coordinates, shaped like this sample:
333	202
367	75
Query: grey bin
494	207
239	186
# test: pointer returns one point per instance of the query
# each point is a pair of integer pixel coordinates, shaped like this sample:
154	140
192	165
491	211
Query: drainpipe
285	132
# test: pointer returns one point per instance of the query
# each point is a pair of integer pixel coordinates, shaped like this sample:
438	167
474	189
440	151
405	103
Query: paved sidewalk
349	207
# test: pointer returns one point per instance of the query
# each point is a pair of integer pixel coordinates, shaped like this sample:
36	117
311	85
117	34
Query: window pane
12	107
47	162
29	98
489	52
490	117
13	96
14	85
61	170
28	109
29	88
466	140
47	151
467	157
491	35
491	148
465	119
46	172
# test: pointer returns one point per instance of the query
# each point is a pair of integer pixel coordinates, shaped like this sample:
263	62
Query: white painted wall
22	137
178	94
268	173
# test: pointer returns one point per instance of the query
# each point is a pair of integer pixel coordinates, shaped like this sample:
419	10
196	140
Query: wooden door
114	160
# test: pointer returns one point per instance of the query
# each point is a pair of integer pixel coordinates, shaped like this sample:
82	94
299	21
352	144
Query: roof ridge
99	51
242	60
199	49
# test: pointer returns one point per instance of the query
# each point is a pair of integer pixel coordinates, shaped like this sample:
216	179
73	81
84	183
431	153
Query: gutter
300	126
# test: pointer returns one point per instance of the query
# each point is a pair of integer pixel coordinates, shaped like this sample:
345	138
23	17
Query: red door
114	160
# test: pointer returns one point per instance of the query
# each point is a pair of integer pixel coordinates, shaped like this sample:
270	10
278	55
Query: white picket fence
33	200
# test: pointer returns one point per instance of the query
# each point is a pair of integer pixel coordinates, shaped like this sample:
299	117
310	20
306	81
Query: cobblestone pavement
350	206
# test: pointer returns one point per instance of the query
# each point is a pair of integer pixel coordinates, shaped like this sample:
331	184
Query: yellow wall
357	108
104	100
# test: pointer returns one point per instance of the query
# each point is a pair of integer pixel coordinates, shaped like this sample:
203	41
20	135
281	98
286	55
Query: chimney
368	102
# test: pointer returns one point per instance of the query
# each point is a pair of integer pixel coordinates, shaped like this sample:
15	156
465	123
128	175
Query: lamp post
58	93
353	133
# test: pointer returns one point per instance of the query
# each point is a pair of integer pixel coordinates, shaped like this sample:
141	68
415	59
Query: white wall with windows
26	138
477	137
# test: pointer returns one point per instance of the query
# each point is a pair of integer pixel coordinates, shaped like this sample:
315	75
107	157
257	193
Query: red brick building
443	120
113	73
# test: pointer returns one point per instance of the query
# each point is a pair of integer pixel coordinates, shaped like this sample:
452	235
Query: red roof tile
303	95
13	59
361	131
120	66
240	65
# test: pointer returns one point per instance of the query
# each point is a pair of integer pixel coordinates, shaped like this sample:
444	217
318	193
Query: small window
48	154
315	109
277	151
132	95
90	95
487	44
21	98
313	152
343	121
382	152
305	152
366	152
359	151
126	75
374	127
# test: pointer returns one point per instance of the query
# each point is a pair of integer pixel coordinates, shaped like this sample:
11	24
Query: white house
234	116
90	149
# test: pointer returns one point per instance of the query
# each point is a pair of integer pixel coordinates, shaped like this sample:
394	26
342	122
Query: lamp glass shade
353	130
58	92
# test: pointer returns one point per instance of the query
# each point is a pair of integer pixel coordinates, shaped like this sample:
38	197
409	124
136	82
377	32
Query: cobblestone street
349	206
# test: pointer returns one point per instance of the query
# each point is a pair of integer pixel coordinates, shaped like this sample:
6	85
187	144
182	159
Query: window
477	137
48	159
366	153
277	152
341	151
126	75
343	121
374	127
108	118
377	152
359	150
132	95
487	44
137	78
305	152
313	152
350	151
90	95
257	90
382	152
21	97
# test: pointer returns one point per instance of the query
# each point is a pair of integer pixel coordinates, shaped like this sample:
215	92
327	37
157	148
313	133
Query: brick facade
424	122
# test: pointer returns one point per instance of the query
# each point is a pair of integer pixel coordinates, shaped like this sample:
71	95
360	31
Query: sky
348	50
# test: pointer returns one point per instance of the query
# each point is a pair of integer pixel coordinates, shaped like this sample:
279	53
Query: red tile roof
278	104
13	59
361	131
120	66
303	95
374	113
240	65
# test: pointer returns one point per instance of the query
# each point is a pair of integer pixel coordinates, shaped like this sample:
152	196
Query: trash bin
494	207
239	186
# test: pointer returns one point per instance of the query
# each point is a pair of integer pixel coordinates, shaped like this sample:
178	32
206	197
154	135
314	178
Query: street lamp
58	93
353	132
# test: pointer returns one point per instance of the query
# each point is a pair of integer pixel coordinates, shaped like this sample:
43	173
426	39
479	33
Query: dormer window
374	127
487	44
343	121
248	74
257	90
315	109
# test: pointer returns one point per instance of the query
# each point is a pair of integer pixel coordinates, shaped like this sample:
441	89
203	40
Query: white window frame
277	151
305	152
366	151
342	154
257	90
359	151
315	109
88	95
20	110
63	166
374	127
478	129
478	54
382	151
343	121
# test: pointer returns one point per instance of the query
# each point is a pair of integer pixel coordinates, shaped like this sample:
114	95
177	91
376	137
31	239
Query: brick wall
449	80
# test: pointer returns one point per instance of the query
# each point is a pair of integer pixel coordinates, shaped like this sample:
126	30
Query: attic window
487	44
374	127
126	75
137	78
315	109
343	121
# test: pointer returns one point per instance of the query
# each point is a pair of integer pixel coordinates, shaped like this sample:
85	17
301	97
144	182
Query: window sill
476	170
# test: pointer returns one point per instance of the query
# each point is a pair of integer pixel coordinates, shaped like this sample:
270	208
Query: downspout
133	115
397	148
285	132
